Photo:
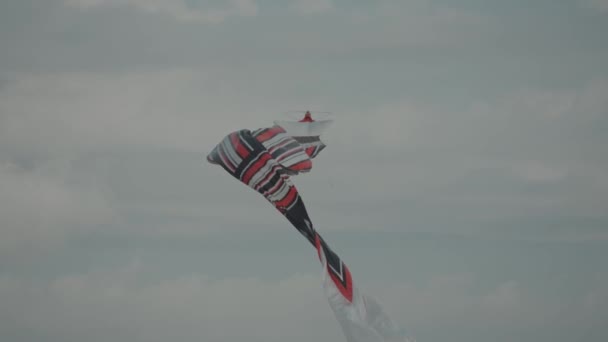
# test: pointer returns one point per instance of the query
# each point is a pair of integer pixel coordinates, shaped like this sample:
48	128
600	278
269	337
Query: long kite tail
361	317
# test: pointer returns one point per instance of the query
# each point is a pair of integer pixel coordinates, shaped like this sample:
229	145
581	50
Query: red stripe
310	151
269	133
240	149
303	165
288	199
253	169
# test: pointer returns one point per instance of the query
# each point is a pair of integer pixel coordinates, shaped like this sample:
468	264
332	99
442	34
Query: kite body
265	160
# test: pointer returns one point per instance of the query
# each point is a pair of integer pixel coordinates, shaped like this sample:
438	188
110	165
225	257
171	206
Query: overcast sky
465	181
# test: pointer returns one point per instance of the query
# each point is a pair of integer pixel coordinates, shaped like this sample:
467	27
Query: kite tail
361	317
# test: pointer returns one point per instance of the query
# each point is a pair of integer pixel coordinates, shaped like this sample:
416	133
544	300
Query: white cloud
83	111
535	171
524	114
455	301
518	155
94	34
312	6
120	304
177	8
599	5
418	156
385	28
39	208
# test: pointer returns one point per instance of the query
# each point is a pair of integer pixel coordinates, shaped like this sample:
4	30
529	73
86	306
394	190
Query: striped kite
265	159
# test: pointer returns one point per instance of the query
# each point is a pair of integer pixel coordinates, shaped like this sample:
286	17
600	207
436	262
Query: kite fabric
265	159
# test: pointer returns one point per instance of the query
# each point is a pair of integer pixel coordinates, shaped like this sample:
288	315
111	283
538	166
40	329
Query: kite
266	159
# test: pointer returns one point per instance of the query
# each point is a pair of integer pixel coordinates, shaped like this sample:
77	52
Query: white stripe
281	145
294	155
294	203
262	173
290	151
288	155
225	160
274	195
294	158
226	148
280	194
231	151
275	187
277	139
264	180
339	273
245	141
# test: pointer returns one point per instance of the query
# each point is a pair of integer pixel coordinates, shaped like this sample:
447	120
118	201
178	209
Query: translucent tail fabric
362	319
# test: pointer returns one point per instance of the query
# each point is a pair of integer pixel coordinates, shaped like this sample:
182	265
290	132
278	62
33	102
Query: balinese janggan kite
265	159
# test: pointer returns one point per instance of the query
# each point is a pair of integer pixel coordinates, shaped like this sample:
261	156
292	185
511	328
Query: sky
465	180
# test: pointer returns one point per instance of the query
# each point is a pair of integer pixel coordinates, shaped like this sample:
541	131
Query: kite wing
264	160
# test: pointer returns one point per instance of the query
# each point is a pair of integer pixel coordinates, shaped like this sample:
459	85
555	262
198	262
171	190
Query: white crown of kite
305	127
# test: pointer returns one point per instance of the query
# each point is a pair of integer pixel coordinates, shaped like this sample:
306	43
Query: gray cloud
532	153
599	5
449	121
39	208
203	12
116	305
312	6
101	35
119	304
517	156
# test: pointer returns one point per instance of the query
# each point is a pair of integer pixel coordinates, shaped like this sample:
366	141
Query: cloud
87	111
496	160
121	35
108	107
39	209
598	5
514	156
179	9
518	155
312	6
532	114
535	171
119	305
126	147
454	307
124	304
